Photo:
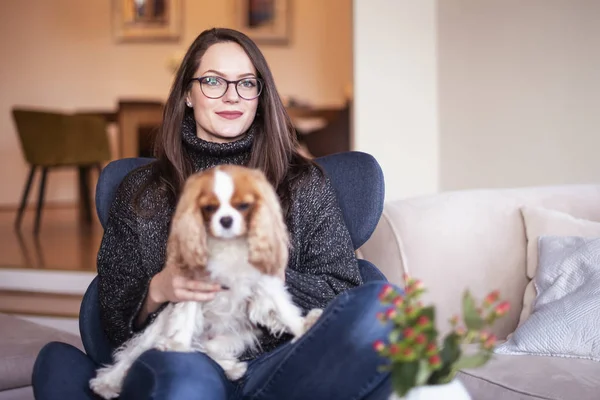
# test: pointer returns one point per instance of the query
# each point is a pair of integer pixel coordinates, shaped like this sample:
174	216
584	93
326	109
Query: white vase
448	391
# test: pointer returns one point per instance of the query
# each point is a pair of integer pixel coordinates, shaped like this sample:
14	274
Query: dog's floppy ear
267	233
187	239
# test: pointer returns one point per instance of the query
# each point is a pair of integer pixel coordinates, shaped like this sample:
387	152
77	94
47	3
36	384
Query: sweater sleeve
122	281
327	263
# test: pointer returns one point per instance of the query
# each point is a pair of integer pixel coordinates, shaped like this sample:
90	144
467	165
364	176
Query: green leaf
423	374
395	335
472	319
429	312
449	353
473	361
404	376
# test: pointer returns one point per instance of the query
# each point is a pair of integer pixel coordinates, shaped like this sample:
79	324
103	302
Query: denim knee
175	375
62	371
367	328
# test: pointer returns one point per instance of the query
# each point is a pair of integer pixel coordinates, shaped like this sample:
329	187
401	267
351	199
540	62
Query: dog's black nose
226	222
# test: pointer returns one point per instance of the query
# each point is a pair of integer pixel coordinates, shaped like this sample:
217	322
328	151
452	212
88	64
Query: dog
227	226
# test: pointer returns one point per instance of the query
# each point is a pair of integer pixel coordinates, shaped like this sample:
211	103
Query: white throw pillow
565	320
544	222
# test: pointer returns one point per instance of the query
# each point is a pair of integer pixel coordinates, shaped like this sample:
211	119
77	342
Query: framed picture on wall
146	20
265	21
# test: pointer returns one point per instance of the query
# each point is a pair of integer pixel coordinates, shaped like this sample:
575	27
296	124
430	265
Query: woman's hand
172	285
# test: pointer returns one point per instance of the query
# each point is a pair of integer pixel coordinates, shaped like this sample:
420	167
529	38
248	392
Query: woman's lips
230	114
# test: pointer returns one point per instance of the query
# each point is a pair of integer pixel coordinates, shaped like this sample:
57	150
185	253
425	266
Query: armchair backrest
356	178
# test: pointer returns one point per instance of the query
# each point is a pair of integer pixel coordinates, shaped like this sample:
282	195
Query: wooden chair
54	139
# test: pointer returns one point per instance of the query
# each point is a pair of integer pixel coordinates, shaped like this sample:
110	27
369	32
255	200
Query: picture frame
147	20
265	21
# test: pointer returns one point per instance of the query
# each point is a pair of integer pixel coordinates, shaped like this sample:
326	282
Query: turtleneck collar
206	154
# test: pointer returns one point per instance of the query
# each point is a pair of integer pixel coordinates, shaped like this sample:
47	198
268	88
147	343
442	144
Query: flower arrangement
416	358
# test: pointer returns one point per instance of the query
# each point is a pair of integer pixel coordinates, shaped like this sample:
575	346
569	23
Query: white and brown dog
228	226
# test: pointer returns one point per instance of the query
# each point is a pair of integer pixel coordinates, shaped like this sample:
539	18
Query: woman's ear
187	238
267	234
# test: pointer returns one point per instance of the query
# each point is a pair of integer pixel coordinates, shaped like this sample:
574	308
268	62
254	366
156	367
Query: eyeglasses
215	87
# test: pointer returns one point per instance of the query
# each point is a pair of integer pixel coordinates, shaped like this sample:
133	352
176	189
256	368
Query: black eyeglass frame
236	82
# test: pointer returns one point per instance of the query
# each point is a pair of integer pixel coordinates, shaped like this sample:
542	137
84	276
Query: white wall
395	91
61	54
462	94
519	92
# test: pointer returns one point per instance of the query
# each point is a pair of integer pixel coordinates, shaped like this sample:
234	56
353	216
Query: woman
224	108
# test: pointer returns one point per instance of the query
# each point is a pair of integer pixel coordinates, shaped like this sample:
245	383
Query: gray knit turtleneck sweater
321	264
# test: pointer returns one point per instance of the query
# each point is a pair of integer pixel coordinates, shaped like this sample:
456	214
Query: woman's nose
231	93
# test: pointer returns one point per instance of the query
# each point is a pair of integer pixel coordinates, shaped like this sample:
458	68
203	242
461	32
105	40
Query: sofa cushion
20	343
542	222
509	377
565	321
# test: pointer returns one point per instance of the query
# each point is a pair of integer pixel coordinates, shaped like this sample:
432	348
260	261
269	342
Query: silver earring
189	103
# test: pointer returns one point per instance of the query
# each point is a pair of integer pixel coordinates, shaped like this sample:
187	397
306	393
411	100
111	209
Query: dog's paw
170	344
308	322
105	387
311	318
234	370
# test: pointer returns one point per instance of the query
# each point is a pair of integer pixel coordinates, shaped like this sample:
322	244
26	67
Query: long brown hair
275	147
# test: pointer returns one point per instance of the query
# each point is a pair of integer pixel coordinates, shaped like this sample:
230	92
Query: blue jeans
334	360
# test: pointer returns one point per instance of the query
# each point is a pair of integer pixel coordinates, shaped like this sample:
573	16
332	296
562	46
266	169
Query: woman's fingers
189	295
180	282
201	286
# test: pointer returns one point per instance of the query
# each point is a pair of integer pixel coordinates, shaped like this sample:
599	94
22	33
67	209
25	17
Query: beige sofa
476	239
20	343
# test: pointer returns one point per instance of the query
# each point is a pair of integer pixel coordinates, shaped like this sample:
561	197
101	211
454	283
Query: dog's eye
242	206
209	208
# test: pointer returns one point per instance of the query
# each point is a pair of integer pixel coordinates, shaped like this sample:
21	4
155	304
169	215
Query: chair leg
98	168
24	197
85	202
38	213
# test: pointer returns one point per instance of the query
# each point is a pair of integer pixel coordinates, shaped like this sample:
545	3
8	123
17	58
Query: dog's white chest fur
227	314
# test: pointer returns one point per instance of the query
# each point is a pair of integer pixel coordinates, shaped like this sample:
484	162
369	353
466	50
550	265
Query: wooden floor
64	241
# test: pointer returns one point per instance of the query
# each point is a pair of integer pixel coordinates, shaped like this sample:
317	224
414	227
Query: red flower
394	349
502	308
378	345
435	360
385	291
491	298
409	333
431	349
398	301
391	312
408	352
423	320
454	320
420	339
490	342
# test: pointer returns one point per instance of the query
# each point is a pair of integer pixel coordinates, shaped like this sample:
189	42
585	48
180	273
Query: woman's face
226	118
